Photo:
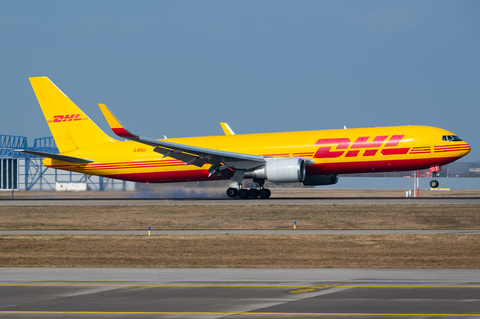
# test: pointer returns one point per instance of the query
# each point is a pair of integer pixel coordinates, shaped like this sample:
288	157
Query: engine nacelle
320	180
281	170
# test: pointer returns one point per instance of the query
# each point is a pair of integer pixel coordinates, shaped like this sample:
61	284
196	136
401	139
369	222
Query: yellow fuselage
376	149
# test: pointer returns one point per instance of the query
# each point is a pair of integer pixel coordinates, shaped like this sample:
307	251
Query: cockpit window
451	138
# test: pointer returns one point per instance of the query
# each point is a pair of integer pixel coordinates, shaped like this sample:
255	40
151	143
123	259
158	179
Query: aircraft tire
253	193
243	193
232	192
265	193
434	184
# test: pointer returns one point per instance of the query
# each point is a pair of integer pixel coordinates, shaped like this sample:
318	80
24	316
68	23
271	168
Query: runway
238	293
229	201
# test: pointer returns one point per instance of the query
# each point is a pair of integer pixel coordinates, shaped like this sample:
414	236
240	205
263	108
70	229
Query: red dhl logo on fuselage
345	146
67	118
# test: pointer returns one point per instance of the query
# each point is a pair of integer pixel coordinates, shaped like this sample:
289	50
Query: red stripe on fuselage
395	151
168	177
352	153
370	153
377	166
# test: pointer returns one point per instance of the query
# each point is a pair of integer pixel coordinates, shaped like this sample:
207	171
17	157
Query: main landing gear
434	183
250	193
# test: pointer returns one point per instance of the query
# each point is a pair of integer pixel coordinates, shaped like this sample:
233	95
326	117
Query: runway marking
244	313
320	287
312	288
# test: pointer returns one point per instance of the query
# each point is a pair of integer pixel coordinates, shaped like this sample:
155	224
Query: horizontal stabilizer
64	158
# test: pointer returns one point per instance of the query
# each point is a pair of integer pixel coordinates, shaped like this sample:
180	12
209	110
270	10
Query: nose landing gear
434	183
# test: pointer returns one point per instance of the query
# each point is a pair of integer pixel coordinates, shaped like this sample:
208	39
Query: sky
178	68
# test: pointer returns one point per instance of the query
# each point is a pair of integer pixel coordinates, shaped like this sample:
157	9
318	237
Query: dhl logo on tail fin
67	118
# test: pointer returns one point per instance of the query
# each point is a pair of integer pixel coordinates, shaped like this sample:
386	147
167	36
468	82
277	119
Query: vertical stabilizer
71	128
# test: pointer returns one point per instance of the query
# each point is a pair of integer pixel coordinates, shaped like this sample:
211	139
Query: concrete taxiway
230	201
238	293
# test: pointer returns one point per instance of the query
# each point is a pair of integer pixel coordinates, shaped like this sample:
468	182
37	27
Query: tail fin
71	128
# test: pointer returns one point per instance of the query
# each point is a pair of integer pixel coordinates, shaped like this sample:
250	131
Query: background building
19	171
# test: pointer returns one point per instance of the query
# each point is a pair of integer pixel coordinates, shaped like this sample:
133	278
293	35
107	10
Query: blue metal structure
35	172
45	144
33	175
29	168
8	143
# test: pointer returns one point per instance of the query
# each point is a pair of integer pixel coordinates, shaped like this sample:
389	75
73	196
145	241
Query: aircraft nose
465	149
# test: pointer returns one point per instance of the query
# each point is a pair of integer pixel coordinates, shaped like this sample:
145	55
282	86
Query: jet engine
280	170
320	180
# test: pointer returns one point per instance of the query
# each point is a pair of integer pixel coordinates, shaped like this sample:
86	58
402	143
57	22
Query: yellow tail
71	128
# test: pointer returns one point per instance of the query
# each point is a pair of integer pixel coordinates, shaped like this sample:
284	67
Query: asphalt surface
238	293
230	201
241	232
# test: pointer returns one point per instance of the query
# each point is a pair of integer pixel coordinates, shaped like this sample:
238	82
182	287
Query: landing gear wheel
232	192
434	184
253	193
265	193
243	193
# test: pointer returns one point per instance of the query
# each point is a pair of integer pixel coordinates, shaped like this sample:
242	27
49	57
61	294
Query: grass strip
250	251
180	217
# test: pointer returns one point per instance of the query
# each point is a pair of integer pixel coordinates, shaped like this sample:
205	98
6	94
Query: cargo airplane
310	157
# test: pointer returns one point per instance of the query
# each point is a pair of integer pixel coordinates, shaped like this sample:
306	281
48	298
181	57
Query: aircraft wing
64	158
222	162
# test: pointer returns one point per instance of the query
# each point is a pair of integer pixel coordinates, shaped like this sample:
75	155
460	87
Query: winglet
115	124
227	129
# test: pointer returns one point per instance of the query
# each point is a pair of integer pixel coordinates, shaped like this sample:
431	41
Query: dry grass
241	217
259	251
251	251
